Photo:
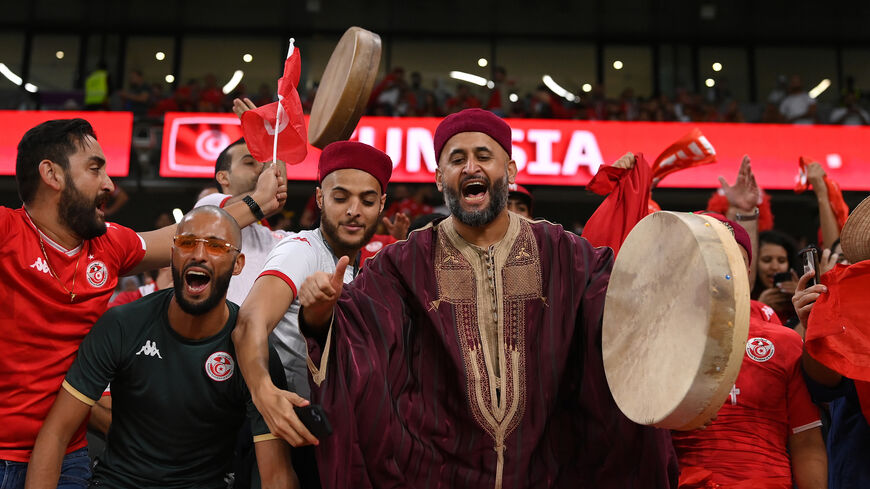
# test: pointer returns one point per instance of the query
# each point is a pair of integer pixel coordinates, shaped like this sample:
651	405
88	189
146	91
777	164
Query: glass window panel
11	53
435	59
571	65
142	54
732	79
812	65
628	67
856	64
54	63
675	69
198	61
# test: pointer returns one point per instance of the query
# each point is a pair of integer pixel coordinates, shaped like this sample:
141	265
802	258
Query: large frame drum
676	320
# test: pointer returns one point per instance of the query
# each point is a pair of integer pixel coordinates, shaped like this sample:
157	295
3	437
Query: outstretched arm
66	415
268	300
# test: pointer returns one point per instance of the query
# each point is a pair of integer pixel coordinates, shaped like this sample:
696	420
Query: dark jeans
74	473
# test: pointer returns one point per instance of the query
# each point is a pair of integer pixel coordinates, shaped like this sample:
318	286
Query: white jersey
257	242
293	260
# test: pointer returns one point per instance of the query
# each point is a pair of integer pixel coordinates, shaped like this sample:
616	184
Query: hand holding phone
809	257
314	418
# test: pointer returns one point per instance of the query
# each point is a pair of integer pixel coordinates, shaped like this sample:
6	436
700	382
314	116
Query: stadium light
587	87
59	54
821	87
160	55
234	82
169	78
710	82
513	97
30	87
617	65
482	62
10	75
557	89
468	77
247	58
717	66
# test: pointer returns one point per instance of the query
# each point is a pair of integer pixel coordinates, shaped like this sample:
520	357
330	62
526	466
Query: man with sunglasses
61	261
179	399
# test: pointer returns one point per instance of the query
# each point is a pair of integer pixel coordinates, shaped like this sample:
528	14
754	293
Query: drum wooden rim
673	339
345	87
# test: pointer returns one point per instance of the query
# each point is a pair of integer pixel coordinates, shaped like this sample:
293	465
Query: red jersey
375	245
41	327
768	403
129	296
762	311
410	207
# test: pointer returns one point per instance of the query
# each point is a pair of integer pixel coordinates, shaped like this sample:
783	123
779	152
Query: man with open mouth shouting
60	261
178	398
469	356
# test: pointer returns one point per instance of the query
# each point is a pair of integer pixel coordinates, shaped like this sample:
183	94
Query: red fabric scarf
838	329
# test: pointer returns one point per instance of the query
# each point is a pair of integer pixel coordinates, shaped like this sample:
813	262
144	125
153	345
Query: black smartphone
810	261
781	277
314	418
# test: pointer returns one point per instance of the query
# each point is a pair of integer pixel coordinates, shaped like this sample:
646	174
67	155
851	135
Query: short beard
217	295
330	229
498	197
79	214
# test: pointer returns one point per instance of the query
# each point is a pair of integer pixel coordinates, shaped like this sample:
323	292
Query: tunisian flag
291	141
835	195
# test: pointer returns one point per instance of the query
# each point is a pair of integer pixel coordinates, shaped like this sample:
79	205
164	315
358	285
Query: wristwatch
255	208
747	217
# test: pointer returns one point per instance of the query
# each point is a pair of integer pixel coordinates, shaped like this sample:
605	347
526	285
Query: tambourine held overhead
676	320
345	87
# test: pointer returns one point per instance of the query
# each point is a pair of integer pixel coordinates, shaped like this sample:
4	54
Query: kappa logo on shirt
760	349
149	349
40	265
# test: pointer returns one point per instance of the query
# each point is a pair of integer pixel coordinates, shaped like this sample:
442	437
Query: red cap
359	156
740	234
518	191
472	120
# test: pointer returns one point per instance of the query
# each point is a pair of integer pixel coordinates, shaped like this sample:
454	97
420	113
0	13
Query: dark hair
780	239
52	140
224	161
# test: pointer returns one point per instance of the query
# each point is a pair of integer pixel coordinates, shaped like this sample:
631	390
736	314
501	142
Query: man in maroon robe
470	354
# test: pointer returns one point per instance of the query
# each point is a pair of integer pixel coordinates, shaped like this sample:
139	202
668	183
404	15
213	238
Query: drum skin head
676	320
345	87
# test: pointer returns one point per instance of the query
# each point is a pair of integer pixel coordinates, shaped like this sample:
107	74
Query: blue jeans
74	473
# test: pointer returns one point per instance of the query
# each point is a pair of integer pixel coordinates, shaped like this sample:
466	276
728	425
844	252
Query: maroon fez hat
473	120
740	234
359	156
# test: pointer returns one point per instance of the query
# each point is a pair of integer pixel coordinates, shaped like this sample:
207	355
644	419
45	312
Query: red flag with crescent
259	125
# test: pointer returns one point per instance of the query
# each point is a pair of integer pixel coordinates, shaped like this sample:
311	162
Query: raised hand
319	293
804	297
398	227
828	261
240	106
744	195
626	162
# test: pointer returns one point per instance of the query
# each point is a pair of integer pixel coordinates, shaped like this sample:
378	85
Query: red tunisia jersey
41	328
375	245
768	403
762	311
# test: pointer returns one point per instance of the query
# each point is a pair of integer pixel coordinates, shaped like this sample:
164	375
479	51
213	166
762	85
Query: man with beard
353	181
60	263
469	355
178	399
